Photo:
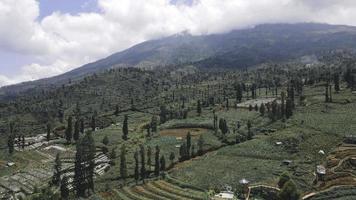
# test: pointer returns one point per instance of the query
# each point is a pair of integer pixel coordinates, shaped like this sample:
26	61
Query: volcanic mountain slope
236	49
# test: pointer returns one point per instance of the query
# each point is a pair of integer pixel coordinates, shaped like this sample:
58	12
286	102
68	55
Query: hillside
236	49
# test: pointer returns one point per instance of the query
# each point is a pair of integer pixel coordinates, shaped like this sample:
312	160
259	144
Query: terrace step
152	188
127	192
143	192
170	188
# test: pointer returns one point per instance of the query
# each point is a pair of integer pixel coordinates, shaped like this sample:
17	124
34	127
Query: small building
350	139
320	172
10	164
224	195
279	143
287	162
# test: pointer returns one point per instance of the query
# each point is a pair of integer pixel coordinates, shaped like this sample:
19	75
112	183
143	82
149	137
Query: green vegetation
206	128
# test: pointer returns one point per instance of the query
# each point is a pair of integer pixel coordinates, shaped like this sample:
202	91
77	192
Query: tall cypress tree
238	93
199	107
157	167
84	166
136	173
336	82
143	162
327	93
154	123
82	126
123	168
283	107
93	123
289	108
10	143
64	188
56	179
69	130
200	145
76	130
48	129
149	156
189	144
162	163
125	129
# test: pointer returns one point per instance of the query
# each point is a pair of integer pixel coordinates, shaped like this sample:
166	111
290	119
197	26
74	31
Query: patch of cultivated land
314	127
182	132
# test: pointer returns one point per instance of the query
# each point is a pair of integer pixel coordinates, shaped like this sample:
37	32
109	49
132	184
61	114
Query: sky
43	38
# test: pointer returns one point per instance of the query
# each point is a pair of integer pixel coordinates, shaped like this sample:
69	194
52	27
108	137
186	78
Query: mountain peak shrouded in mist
234	49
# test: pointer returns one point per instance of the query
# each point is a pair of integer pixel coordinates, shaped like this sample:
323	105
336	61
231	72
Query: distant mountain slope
237	49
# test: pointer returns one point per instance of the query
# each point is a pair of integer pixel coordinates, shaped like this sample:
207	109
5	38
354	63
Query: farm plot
160	190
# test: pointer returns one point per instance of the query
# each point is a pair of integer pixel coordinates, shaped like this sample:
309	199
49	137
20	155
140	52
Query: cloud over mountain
61	41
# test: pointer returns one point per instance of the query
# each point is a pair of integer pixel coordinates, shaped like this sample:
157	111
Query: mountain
236	49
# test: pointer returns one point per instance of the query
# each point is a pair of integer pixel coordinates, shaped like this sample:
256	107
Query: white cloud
61	41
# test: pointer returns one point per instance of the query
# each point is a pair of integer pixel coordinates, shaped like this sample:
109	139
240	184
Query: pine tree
64	188
200	145
274	111
154	123
172	156
93	123
163	114
23	142
48	128
137	174
199	107
326	93
192	151
123	168
289	108
84	166
56	179
250	108
143	162
149	156
256	107
76	130
125	129
183	152
117	110
105	140
223	126
238	93
337	82
69	130
10	144
262	109
283	105
157	167
189	144
162	163
82	126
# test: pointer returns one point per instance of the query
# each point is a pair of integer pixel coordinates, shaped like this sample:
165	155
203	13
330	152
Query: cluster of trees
71	134
84	164
288	188
142	168
188	150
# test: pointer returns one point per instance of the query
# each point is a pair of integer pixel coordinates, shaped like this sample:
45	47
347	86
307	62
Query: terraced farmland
160	190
